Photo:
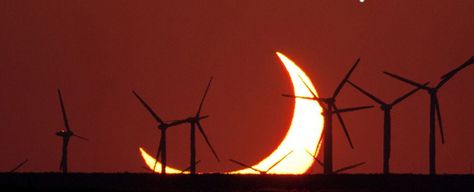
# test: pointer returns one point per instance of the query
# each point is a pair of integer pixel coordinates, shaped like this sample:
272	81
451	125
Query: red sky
97	52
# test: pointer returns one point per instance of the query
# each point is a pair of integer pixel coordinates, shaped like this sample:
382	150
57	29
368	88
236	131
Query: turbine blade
400	99
298	97
271	167
187	169
204	97
341	84
367	93
203	117
442	82
80	137
451	73
177	122
440	122
158	153
308	98
246	166
405	80
63	110
18	166
169	122
343	125
349	167
352	109
207	140
307	87
150	110
321	138
317	160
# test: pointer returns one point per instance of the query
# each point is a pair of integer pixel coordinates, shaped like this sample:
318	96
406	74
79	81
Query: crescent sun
302	136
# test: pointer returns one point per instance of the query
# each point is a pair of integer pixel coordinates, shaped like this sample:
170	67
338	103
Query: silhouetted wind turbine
386	108
66	135
19	166
195	121
434	108
163	126
328	112
258	170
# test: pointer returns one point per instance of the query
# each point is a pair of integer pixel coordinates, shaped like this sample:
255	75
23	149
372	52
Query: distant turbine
66	135
386	108
434	108
193	122
163	127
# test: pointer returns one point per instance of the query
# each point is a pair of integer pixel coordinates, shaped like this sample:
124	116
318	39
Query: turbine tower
262	172
386	108
163	126
329	109
193	122
66	135
435	111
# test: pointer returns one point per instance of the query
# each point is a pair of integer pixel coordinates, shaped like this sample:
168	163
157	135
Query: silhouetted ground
219	182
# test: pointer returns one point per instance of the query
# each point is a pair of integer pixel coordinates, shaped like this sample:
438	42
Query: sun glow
303	135
304	132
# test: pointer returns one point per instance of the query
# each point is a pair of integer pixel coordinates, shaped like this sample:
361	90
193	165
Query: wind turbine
263	172
386	108
18	166
338	170
163	126
435	111
66	135
329	109
193	122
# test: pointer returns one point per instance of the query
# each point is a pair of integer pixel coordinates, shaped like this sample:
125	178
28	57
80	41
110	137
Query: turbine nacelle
163	126
385	107
196	119
64	133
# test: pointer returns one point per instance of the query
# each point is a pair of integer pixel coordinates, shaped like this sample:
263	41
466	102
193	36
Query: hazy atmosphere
97	52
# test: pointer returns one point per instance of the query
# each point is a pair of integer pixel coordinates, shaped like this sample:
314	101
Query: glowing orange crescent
304	133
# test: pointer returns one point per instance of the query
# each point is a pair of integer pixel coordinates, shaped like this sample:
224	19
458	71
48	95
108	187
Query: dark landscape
222	182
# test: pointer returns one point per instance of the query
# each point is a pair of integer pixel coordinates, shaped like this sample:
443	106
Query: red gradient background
97	52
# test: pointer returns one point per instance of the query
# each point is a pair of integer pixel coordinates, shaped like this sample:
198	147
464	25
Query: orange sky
98	51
